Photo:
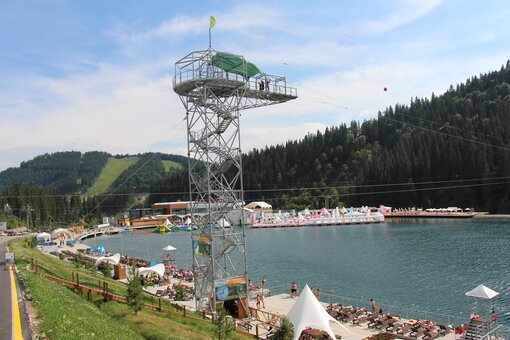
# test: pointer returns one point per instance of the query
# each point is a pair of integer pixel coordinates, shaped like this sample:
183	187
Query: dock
277	306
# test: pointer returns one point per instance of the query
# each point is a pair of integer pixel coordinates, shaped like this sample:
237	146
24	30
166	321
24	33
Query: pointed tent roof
308	312
44	236
482	292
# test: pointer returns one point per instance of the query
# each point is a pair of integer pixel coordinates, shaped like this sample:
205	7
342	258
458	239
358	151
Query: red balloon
385	89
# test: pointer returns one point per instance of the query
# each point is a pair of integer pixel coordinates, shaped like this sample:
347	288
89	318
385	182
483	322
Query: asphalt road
6	317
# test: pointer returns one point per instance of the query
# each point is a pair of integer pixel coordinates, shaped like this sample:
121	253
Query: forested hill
73	172
449	150
64	172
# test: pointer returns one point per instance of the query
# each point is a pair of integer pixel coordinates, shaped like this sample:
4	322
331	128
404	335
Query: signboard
3	225
202	246
230	288
9	260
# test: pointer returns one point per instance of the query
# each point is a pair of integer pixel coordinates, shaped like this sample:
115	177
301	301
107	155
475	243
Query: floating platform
426	214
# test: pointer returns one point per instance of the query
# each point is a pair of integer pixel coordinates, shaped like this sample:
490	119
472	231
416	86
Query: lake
418	268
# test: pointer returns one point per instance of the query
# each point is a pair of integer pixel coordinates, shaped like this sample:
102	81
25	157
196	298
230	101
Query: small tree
107	270
284	332
134	292
77	260
224	324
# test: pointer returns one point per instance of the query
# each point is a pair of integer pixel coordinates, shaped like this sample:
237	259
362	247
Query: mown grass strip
113	168
169	165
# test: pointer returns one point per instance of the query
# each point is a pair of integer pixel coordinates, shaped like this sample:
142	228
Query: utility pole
27	209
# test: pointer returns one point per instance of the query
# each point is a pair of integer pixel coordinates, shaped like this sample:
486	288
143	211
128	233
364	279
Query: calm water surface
408	266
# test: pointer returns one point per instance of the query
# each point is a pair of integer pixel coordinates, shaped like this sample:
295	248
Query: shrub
180	293
284	332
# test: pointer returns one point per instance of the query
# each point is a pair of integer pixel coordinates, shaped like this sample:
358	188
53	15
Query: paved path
8	304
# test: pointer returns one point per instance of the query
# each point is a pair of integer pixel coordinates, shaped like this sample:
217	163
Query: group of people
260	293
264	85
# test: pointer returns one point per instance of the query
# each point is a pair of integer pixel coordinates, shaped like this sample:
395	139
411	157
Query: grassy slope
113	168
170	165
64	315
83	318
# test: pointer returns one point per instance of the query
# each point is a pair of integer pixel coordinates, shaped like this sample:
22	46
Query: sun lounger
430	335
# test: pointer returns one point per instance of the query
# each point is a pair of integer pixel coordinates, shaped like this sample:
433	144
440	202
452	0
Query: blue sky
96	75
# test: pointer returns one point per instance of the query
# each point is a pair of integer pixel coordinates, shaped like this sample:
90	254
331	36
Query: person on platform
374	306
293	290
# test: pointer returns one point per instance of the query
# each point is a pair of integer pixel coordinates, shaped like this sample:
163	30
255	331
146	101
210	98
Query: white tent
167	223
222	222
308	312
482	292
259	205
158	269
57	232
115	259
45	237
169	247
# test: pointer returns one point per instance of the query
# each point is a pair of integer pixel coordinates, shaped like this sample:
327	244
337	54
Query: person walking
262	286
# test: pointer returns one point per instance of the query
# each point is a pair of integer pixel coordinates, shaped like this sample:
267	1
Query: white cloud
235	20
406	12
128	117
171	29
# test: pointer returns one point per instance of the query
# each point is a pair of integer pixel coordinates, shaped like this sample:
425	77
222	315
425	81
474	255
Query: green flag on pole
212	22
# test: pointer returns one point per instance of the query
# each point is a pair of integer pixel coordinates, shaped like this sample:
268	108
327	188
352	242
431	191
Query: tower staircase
482	328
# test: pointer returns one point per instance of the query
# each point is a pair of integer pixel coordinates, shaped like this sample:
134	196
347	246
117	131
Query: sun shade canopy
235	64
158	269
115	259
482	292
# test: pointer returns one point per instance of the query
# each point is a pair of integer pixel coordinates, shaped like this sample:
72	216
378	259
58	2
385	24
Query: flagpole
212	22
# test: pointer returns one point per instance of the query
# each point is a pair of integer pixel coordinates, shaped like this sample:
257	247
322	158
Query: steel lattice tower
213	87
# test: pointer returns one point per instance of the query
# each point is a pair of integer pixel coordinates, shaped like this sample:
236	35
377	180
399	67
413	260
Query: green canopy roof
235	64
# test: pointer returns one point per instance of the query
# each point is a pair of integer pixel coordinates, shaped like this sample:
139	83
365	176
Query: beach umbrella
169	247
482	292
